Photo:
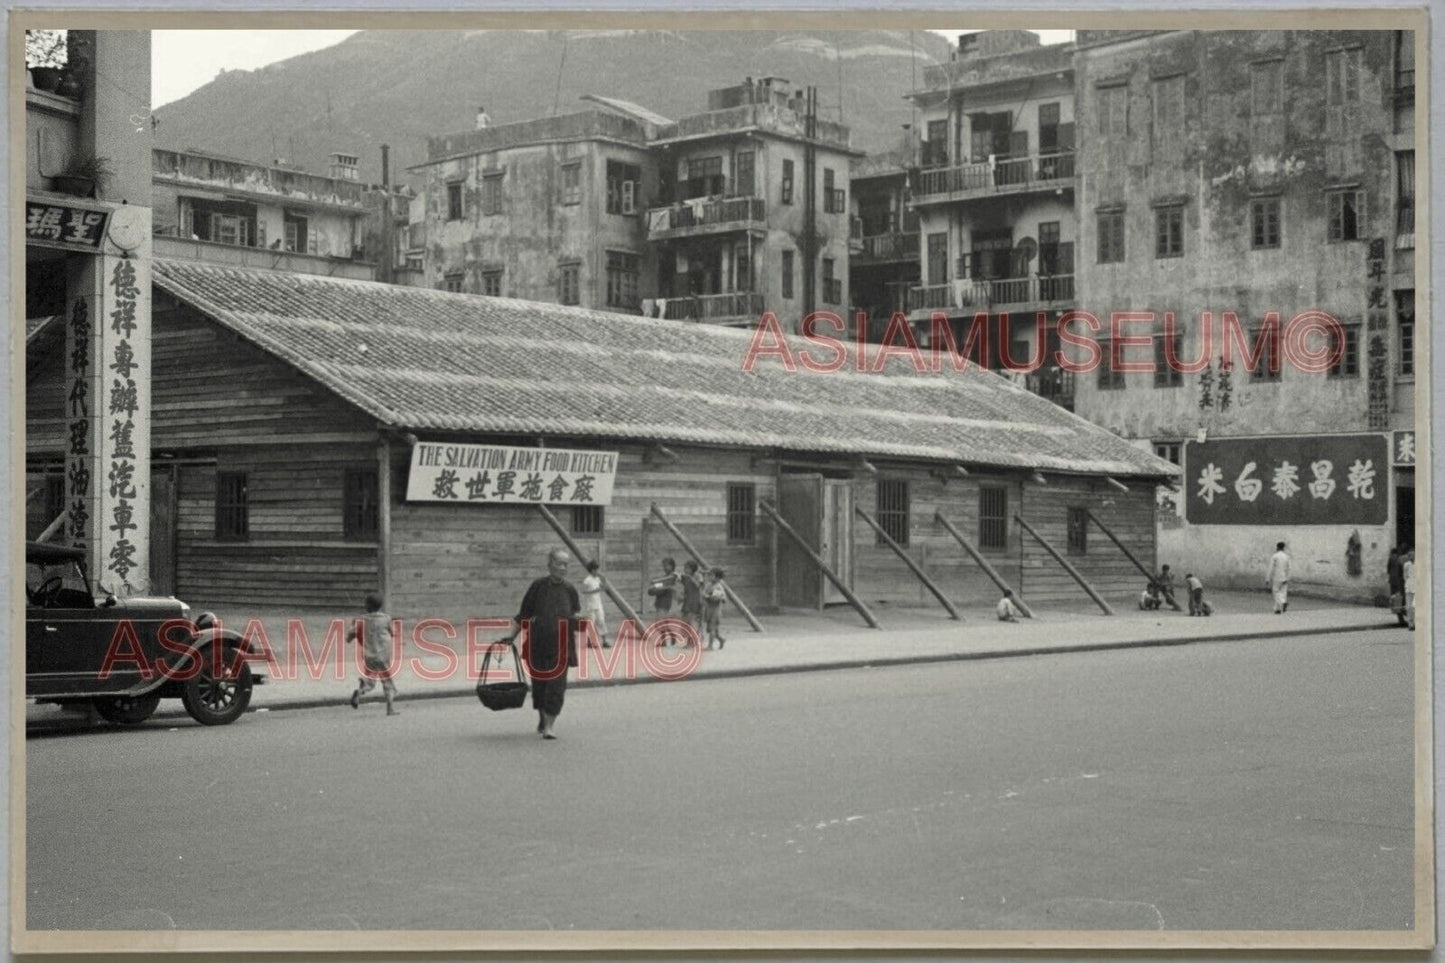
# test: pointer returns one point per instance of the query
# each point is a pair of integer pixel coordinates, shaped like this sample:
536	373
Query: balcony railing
735	305
991	292
1002	175
1055	384
728	213
895	246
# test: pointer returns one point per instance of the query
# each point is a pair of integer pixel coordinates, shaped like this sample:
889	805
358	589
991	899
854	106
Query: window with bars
568	285
492	283
232	515
1348	363
1169	231
622	272
572	183
742	509
1405	328
787	183
1264	223
1168	375
993	517
892	510
1078	528
456	209
492	194
1344	214
588	519
360	505
1111	236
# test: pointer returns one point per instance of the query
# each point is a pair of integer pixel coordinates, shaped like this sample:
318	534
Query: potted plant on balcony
84	176
45	57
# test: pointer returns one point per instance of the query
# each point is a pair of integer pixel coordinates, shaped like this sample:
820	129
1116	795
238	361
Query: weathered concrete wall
534	232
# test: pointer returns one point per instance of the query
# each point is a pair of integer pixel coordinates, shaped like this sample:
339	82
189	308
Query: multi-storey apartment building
544	210
755	214
1261	173
994	194
231	211
883	264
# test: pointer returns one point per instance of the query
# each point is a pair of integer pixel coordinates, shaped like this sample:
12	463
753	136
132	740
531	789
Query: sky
183	60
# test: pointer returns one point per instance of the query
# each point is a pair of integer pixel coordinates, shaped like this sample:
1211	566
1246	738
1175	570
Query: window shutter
629	197
1018	143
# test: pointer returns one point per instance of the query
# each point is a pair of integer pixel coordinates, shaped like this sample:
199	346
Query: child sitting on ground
1149	599
1007	610
713	596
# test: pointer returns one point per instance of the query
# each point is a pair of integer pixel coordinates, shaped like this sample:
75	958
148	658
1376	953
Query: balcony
235	255
702	216
733	307
883	248
989	293
1053	384
1005	175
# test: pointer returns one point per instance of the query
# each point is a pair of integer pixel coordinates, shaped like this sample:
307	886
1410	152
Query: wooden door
800	505
837	530
163	531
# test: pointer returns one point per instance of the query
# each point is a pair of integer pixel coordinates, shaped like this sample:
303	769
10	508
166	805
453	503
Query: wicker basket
502	695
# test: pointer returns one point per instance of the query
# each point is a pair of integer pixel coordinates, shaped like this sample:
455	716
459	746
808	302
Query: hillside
399	87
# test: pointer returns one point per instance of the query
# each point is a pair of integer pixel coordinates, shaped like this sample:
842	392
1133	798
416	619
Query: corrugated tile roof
423	359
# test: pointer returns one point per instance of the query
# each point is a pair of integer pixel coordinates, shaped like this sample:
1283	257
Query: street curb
869	663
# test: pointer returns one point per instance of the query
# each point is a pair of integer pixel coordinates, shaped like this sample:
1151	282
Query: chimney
483	120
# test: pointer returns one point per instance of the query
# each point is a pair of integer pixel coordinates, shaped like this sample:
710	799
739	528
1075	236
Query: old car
124	655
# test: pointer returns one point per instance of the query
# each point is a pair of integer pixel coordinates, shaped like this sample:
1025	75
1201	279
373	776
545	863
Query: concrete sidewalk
792	642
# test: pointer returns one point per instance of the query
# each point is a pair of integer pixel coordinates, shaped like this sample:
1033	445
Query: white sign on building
499	474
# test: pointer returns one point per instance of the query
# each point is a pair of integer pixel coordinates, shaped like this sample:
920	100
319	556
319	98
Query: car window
73	591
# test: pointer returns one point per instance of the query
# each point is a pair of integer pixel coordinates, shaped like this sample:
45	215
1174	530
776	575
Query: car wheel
214	700
127	710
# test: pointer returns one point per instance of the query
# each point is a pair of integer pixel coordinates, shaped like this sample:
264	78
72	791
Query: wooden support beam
687	547
928	583
383	520
982	562
1065	563
1113	538
788	530
1117	484
52	528
582	557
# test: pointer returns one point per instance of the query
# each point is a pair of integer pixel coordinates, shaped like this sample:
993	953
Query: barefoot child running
374	634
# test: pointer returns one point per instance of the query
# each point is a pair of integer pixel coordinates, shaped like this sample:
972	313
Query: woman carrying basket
549	610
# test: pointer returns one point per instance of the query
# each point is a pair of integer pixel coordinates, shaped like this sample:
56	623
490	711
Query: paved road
1240	785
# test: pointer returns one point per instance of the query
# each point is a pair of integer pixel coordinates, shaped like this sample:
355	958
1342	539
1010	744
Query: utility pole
384	263
810	202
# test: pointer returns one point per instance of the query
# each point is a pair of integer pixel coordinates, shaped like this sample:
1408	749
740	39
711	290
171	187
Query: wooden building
286	408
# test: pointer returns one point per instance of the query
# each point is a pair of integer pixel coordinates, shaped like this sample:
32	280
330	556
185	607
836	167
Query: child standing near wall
592	602
662	592
692	600
713	596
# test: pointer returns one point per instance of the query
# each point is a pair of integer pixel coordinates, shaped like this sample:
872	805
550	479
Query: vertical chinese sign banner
1377	363
1288	480
107	462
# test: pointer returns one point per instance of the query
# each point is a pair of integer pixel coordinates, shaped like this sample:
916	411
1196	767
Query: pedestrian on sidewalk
1164	581
662	592
592	602
1007	610
373	632
549	613
1407	576
713	596
1196	594
1395	572
692	601
1278	578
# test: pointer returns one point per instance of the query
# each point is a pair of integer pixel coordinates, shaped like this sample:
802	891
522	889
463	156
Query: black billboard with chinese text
1288	480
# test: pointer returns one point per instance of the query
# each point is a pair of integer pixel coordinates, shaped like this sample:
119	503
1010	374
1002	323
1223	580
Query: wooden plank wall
1129	516
455	560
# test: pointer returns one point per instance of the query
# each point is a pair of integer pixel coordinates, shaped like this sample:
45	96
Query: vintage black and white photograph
637	480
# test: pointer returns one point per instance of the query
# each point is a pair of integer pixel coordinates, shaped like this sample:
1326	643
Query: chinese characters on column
122	404
77	452
1377	323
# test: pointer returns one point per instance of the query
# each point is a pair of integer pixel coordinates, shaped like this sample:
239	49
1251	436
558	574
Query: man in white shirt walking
1278	579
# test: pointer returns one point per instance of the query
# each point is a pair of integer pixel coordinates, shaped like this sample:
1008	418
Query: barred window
492	193
492	283
587	519
360	508
232	517
1078	522
1264	223
742	502
456	209
787	185
893	510
993	517
1169	231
